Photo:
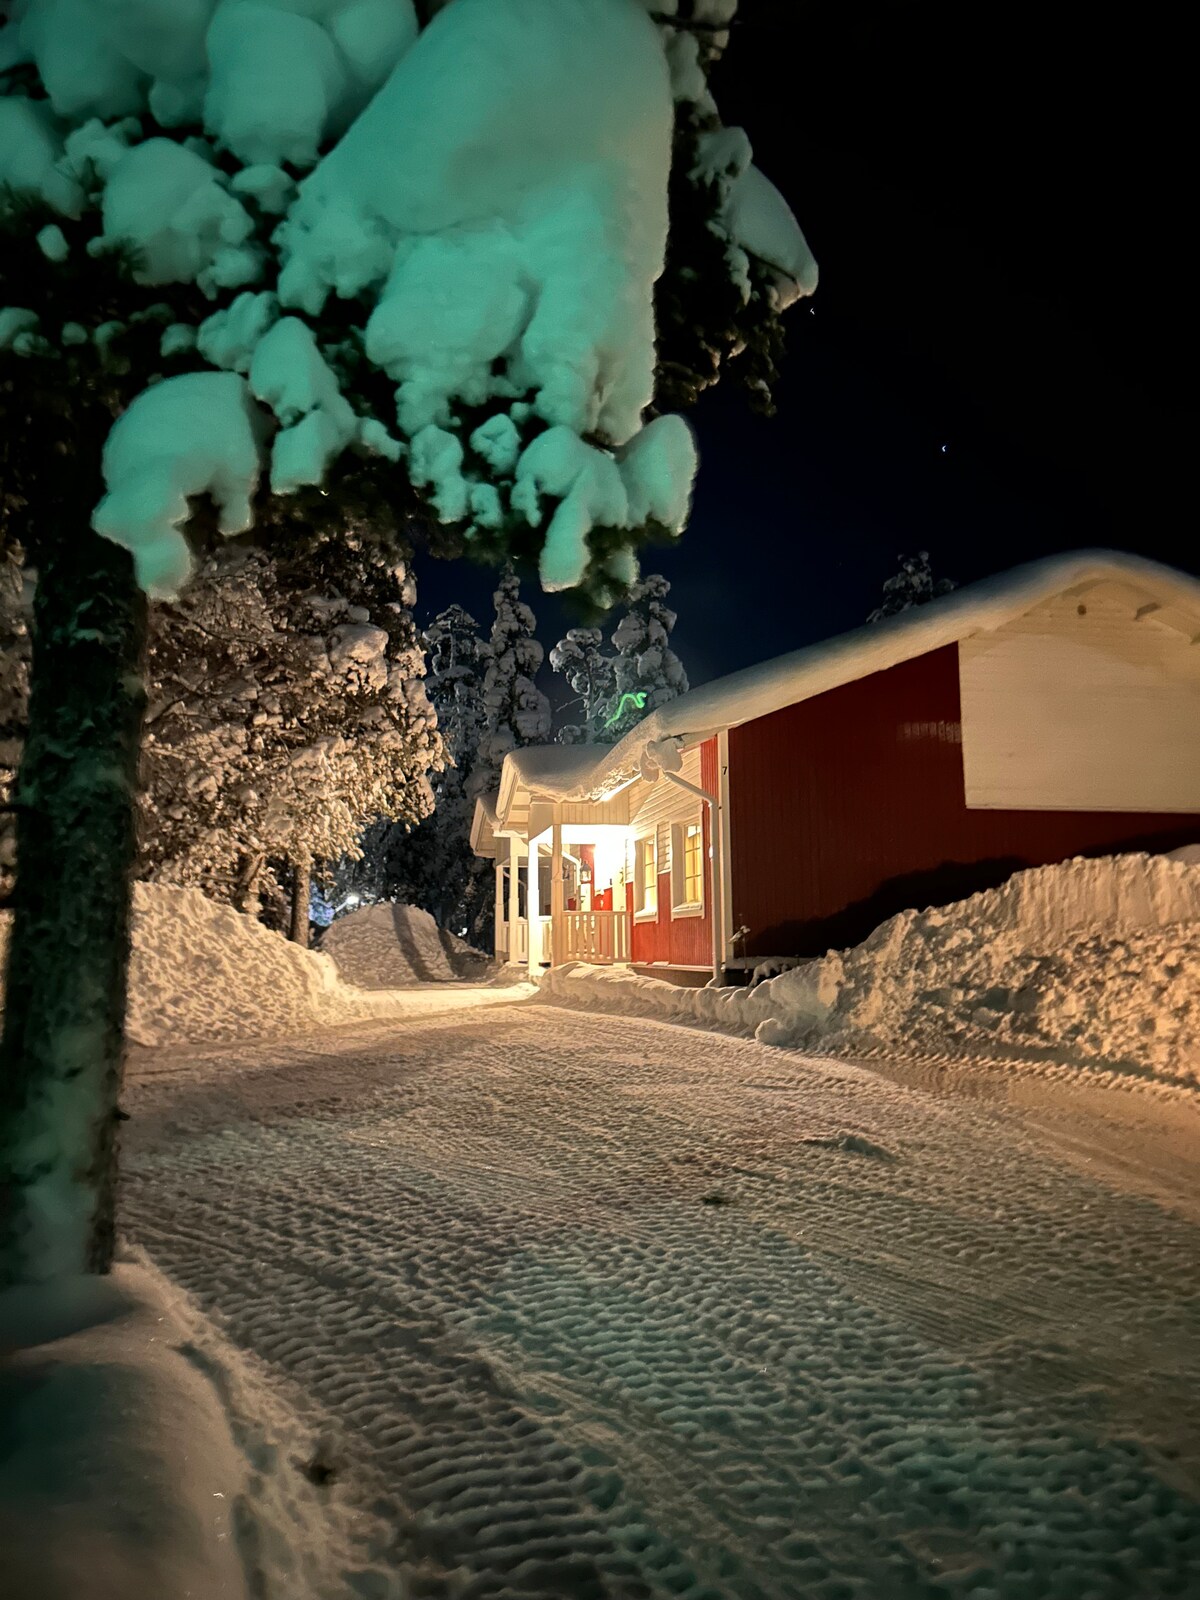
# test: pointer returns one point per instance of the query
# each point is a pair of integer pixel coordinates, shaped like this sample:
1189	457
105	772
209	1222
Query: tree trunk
247	898
301	895
63	1040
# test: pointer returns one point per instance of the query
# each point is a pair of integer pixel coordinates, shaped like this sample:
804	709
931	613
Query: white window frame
642	912
679	906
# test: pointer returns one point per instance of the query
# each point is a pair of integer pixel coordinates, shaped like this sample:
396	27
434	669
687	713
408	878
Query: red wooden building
792	807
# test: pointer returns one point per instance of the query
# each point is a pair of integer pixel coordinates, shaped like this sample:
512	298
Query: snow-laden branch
436	246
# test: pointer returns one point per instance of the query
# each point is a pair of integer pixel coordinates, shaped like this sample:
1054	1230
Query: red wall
686	941
849	807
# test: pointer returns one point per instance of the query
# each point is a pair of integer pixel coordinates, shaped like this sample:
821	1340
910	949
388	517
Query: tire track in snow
483	1248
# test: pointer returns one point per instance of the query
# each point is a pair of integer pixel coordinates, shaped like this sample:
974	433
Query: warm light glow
693	871
610	860
648	873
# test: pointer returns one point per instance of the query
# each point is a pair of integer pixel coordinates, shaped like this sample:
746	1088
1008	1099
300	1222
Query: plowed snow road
612	1308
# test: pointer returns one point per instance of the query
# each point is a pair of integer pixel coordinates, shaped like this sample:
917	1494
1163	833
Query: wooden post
514	900
558	899
498	911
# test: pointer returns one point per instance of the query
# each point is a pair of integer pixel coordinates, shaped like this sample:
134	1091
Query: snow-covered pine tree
590	672
199	334
517	712
432	866
458	660
913	585
647	672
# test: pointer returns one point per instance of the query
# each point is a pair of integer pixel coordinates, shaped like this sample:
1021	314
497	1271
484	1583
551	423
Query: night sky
998	201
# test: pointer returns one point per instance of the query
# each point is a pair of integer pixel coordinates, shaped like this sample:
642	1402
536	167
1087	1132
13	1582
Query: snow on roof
545	769
552	771
581	772
483	825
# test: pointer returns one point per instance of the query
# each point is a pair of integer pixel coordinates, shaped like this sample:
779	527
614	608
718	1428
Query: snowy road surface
613	1308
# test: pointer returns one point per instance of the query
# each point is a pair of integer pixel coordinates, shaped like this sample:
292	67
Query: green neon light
637	699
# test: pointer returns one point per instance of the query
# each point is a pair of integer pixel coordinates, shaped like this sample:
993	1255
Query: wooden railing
601	937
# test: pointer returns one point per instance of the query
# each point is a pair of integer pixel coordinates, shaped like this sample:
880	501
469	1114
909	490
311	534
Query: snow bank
1091	962
391	946
201	971
143	1456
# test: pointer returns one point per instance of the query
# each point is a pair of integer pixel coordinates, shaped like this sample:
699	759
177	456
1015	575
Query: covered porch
608	861
560	896
562	864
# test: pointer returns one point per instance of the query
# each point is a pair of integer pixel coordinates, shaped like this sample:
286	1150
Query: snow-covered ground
145	1456
201	971
586	1306
1091	963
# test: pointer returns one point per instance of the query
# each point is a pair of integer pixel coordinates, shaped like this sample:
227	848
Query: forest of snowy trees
294	291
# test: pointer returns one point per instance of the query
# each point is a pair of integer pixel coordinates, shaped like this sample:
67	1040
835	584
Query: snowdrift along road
1091	963
201	971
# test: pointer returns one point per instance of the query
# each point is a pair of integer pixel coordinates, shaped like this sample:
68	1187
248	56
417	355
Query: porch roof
483	826
543	772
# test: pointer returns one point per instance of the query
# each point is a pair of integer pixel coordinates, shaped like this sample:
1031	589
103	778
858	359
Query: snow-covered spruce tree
306	270
647	672
913	585
517	713
432	865
590	672
281	724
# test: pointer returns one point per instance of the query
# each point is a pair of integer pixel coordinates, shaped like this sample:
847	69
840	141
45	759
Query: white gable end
1088	702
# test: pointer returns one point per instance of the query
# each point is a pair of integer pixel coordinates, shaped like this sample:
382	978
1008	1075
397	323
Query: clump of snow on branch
461	279
172	206
755	219
192	435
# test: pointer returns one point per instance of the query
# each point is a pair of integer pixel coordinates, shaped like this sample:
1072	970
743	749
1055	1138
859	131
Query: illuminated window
647	876
687	869
693	864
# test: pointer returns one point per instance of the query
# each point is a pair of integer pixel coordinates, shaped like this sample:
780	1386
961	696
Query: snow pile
391	946
202	971
1091	962
143	1456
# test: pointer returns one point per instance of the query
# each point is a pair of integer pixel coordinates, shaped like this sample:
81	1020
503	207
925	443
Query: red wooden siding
684	941
849	807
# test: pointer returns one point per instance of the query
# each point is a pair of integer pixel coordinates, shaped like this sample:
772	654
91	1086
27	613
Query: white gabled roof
483	826
583	772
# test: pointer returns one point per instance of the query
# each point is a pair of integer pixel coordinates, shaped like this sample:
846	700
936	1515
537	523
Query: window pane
693	871
649	875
